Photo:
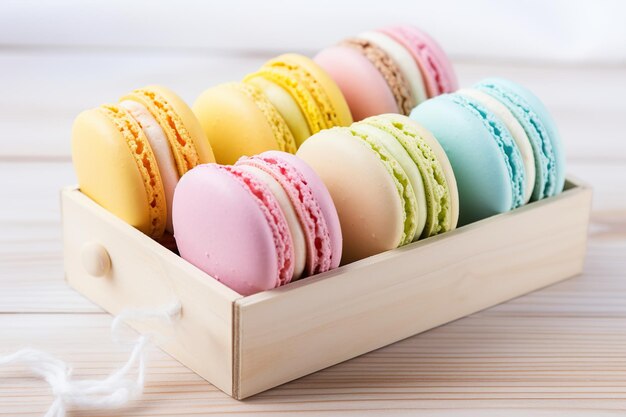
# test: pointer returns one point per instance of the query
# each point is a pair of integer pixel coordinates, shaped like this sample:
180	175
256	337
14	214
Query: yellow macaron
276	108
238	119
129	156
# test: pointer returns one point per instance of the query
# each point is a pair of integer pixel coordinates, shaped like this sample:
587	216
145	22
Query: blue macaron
540	129
486	161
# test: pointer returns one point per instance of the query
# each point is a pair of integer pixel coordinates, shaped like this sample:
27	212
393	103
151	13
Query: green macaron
391	182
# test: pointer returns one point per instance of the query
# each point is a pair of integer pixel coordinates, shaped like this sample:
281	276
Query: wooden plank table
559	351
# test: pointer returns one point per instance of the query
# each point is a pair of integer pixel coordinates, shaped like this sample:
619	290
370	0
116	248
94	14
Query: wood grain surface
560	351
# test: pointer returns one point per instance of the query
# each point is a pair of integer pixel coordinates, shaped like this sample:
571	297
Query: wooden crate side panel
292	331
144	274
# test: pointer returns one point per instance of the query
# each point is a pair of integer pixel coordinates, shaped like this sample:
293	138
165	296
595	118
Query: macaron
259	224
238	119
129	156
515	129
437	72
275	108
317	97
390	180
540	129
388	70
405	61
487	163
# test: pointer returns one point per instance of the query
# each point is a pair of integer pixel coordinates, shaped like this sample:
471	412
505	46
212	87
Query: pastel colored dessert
388	70
259	224
437	72
129	156
515	129
496	134
316	96
276	108
238	119
540	129
391	182
487	164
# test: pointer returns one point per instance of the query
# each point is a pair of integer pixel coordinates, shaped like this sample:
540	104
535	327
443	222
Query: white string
112	392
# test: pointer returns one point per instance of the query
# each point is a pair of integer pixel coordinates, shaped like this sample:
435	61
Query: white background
532	30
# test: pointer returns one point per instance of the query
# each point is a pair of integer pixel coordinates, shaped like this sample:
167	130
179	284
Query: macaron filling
399	153
545	158
146	164
161	148
404	60
319	250
397	83
310	75
515	129
302	95
434	180
275	220
295	229
286	106
181	142
402	183
505	142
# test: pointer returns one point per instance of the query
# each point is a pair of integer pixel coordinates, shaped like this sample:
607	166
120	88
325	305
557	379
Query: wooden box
245	345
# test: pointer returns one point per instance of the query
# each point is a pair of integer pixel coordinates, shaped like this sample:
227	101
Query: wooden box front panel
289	332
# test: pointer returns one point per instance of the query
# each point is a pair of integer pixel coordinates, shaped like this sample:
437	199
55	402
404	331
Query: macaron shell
516	130
364	88
341	115
297	234
436	189
406	163
444	162
506	144
109	173
189	144
306	207
387	67
286	106
353	174
403	59
190	121
233	123
541	130
160	148
481	173
323	198
439	76
220	228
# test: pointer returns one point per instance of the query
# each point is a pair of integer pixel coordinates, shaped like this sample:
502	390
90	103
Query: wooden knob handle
95	259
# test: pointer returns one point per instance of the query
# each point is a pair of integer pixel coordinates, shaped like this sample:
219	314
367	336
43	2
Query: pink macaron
257	225
364	87
389	70
438	74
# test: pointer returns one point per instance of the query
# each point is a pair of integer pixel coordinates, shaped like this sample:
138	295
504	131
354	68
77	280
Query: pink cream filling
275	220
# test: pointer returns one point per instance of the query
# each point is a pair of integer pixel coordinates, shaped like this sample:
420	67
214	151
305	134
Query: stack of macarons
389	70
502	143
390	179
275	108
129	156
261	223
